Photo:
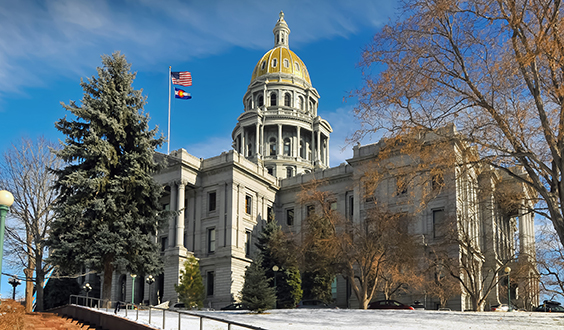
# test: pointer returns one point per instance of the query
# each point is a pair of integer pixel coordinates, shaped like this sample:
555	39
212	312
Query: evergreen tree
257	293
58	291
108	211
276	250
191	288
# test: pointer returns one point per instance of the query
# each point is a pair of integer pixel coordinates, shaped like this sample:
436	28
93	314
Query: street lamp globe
507	270
6	198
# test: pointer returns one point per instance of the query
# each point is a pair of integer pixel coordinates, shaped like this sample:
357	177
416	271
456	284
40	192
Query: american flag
183	78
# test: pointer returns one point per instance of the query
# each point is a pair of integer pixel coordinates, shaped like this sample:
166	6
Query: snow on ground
349	319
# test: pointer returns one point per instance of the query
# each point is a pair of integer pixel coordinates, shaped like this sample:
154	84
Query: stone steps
48	321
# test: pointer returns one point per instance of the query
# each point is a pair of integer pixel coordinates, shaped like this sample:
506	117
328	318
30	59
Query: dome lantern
281	32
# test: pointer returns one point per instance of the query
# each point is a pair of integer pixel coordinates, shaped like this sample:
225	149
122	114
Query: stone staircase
49	321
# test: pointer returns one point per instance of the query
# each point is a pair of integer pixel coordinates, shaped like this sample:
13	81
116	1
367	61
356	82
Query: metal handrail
96	303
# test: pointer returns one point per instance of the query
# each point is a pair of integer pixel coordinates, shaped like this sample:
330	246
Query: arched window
300	103
287	149
286	63
289	172
263	65
250	150
297	66
302	149
260	101
274	62
272	99
272	144
287	99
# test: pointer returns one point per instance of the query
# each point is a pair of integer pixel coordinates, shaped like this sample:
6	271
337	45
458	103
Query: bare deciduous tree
25	172
493	68
358	251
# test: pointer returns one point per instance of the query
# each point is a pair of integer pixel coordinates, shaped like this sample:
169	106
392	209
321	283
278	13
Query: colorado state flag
180	94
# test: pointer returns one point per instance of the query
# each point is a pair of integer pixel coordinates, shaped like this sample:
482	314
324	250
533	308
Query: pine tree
191	288
257	293
276	250
108	211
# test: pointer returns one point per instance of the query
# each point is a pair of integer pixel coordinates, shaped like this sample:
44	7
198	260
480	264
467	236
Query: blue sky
46	47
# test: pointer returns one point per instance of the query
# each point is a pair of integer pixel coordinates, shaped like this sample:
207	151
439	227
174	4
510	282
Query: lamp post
87	288
275	270
133	276
508	271
6	200
150	280
14	282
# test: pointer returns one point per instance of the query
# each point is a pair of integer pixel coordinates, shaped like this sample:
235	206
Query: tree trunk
28	289
107	285
39	281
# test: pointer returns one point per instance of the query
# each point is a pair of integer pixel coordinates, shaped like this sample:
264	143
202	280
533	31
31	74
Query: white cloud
62	37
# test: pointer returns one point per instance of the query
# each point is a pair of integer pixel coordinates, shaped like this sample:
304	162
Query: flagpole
168	134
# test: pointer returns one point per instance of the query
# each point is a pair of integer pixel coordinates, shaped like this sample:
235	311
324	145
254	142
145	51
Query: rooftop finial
281	15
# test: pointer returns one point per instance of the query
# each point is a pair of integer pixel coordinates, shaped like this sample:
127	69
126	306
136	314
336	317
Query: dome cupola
280	128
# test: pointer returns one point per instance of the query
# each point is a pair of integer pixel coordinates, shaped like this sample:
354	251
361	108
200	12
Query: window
164	243
270	170
263	65
351	207
211	201
250	150
274	62
302	150
287	147
297	66
286	63
248	204
401	188
300	103
209	283
260	101
438	216
310	210
211	240
289	172
272	99
438	181
287	99
270	214
247	243
272	144
290	217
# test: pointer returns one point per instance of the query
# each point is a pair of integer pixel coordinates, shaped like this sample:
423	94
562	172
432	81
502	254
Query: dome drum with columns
280	128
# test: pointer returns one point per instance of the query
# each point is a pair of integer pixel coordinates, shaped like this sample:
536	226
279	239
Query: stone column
318	146
173	207
298	141
280	145
180	217
257	136
243	143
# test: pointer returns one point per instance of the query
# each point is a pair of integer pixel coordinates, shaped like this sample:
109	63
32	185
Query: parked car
388	304
235	307
503	308
418	305
177	306
550	306
312	303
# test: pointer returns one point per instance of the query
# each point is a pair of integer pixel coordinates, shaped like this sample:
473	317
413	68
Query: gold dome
282	60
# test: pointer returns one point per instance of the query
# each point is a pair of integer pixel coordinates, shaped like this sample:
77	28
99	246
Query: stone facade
279	144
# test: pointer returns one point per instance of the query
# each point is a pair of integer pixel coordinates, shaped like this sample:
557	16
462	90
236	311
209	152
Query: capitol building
279	143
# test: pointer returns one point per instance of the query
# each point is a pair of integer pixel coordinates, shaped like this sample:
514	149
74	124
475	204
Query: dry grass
11	315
